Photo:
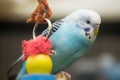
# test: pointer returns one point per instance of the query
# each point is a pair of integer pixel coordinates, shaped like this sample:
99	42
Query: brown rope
42	11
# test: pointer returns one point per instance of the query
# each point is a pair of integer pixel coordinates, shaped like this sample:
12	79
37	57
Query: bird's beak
96	30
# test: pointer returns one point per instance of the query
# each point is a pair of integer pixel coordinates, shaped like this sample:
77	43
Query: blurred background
102	61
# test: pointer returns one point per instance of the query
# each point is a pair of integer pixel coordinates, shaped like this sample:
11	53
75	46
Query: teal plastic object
37	77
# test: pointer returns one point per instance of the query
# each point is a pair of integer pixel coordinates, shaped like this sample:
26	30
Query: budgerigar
71	37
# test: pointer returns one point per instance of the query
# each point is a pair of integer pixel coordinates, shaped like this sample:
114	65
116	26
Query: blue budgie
71	37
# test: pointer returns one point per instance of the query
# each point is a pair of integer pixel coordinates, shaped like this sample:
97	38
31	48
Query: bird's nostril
86	29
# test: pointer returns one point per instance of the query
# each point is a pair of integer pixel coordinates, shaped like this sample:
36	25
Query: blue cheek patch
87	29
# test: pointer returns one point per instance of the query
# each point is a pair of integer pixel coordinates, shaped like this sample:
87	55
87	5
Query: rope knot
42	11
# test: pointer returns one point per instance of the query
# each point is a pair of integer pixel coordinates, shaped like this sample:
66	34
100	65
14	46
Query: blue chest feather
70	43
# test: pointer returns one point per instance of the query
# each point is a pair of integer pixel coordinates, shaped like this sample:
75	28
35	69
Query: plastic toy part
40	63
37	77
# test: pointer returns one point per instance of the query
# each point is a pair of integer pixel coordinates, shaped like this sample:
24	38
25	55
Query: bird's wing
55	27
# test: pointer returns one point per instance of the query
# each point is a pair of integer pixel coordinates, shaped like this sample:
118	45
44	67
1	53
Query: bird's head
88	20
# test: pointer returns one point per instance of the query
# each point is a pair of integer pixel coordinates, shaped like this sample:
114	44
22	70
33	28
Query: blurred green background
102	59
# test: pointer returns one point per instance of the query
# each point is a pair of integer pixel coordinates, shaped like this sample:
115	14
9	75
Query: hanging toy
37	55
37	51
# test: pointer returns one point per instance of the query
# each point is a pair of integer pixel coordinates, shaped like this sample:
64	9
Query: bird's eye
88	22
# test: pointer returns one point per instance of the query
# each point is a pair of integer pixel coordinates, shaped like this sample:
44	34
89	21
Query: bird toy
37	55
37	51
